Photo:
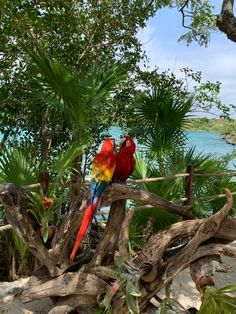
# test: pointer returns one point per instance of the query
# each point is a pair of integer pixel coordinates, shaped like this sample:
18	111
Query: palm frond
56	86
67	94
164	116
142	169
63	164
17	166
103	81
20	245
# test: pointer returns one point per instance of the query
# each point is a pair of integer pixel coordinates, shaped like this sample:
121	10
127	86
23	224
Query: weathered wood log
68	226
124	233
202	271
121	191
83	304
15	200
109	241
169	268
79	283
79	290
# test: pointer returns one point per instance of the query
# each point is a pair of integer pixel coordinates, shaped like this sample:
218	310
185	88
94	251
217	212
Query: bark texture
81	286
226	21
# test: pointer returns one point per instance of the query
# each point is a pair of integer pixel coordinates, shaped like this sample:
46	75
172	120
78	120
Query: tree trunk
226	21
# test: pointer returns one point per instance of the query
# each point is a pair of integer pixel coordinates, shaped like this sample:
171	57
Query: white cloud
216	62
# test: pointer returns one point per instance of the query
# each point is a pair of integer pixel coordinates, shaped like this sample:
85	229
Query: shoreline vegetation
227	128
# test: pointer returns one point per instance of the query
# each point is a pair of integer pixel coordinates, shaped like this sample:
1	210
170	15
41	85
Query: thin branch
181	10
148	5
184	5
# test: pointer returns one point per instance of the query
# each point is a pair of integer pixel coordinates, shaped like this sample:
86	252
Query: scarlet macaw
125	161
103	166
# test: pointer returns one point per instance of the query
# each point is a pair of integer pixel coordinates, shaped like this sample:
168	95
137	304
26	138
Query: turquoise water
204	142
209	143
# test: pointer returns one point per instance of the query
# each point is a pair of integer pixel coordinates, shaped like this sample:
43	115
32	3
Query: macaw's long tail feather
88	216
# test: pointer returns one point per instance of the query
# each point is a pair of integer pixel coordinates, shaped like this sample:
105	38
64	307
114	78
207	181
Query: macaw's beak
122	142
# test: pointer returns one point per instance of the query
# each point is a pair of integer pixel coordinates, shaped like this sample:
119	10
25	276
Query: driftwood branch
68	226
121	191
108	243
124	233
203	269
159	261
80	283
167	269
5	228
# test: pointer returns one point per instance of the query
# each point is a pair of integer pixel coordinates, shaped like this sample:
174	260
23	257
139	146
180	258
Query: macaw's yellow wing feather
103	168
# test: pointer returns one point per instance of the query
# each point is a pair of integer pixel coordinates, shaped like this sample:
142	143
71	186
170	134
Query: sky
217	62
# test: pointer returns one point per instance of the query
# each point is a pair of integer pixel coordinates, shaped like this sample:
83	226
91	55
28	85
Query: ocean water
207	142
204	142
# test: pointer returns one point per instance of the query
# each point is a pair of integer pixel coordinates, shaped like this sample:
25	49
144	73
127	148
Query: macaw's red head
108	145
128	143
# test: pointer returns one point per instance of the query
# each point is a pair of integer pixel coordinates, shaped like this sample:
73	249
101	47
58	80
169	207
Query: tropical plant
218	300
17	166
163	115
44	210
126	279
173	189
78	102
22	249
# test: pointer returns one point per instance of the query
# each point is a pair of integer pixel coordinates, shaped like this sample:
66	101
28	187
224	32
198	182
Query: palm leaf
62	165
17	166
20	245
69	95
56	86
164	116
103	81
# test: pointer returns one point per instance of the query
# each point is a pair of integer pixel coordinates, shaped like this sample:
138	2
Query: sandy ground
183	289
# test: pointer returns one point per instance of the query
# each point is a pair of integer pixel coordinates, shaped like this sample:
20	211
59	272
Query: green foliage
17	166
198	19
43	214
161	115
62	165
223	126
172	163
22	248
80	35
56	87
218	300
127	280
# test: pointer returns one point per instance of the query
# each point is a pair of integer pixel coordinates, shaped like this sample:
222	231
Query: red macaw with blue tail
103	167
125	161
